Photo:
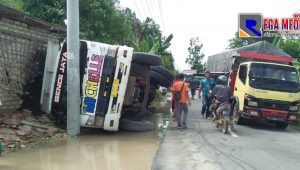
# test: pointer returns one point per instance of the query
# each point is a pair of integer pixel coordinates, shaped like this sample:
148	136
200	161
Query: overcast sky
213	21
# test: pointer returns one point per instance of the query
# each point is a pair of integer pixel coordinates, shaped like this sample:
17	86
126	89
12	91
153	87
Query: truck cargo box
260	51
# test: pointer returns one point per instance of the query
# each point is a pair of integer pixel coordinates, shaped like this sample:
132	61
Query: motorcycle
221	115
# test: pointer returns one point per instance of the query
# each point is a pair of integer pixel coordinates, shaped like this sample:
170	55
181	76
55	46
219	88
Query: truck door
240	85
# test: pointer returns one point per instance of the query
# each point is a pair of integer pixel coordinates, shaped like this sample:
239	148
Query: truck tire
135	126
160	79
163	71
147	59
241	121
282	125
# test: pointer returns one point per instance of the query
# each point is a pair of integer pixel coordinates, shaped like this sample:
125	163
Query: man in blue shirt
206	86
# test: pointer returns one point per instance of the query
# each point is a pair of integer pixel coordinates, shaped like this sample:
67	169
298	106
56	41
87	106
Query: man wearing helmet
222	94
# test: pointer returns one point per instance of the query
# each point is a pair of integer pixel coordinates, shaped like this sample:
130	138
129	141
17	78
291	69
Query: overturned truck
116	85
263	82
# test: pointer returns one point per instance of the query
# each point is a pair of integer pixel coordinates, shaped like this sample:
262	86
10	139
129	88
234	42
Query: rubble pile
23	130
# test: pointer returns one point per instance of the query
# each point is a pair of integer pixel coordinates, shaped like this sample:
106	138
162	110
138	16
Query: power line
154	11
140	14
149	9
161	14
281	8
152	6
143	9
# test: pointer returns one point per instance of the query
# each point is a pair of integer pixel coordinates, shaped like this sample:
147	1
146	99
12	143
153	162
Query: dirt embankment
24	131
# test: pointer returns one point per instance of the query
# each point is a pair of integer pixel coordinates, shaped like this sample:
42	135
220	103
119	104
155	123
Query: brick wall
22	49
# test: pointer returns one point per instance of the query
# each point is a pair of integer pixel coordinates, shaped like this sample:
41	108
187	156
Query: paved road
202	146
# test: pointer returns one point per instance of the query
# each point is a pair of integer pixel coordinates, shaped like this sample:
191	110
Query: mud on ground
23	131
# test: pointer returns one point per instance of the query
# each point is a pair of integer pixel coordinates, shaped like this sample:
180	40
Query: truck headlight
90	121
252	103
293	108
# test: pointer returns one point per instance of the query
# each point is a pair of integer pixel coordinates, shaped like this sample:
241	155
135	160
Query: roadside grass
296	126
161	108
159	104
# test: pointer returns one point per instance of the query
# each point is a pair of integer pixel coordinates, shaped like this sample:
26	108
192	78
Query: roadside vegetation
160	103
104	21
296	126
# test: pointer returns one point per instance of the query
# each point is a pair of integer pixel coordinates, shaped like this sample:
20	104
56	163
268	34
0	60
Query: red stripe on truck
267	57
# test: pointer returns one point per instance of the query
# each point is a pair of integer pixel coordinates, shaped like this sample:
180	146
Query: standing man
183	102
193	85
206	86
173	97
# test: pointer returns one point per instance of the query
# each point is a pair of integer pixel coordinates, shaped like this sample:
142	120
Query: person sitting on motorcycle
222	94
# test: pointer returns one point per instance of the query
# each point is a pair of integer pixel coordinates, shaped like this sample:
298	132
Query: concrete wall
22	49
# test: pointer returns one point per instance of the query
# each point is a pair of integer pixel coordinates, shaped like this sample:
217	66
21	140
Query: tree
51	11
290	46
147	37
168	62
103	21
195	55
100	20
16	4
237	41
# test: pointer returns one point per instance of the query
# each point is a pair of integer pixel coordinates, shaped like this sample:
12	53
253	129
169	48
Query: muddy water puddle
94	150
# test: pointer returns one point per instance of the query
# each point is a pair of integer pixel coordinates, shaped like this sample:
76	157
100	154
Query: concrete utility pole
73	78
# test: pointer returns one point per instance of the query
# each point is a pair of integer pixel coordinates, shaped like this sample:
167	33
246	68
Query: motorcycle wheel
225	127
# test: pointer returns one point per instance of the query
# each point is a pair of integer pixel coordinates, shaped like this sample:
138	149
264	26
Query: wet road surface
94	150
202	146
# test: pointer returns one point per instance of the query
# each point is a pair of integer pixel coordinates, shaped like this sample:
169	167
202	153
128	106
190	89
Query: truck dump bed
260	51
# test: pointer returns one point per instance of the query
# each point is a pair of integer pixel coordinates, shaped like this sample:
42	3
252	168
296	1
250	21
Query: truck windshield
274	77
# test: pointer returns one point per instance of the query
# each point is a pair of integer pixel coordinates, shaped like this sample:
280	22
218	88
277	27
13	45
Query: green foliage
237	42
159	97
51	11
165	43
290	46
147	37
104	21
195	57
168	61
16	4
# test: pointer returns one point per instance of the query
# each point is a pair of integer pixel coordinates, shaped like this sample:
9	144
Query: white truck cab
104	72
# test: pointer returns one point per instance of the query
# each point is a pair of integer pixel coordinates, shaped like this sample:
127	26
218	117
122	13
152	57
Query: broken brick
22	132
51	131
7	131
25	128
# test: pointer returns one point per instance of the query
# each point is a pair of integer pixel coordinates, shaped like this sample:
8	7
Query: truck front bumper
271	115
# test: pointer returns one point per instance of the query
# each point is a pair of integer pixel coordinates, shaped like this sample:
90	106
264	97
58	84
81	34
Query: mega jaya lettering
92	83
60	77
